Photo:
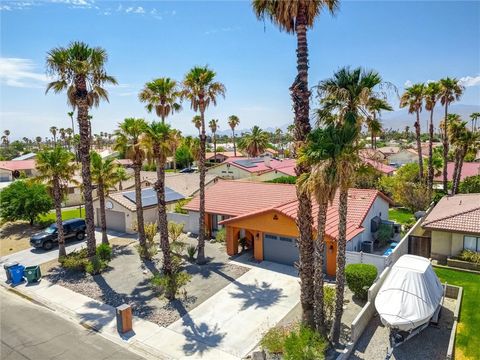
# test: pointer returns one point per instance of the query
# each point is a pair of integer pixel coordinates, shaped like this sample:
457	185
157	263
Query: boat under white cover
410	294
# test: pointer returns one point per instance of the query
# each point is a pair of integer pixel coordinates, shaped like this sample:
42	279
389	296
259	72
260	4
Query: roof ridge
256	182
452	215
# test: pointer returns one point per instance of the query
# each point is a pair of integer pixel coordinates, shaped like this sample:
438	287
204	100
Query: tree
374	107
57	169
197	121
431	94
413	98
161	95
128	141
233	122
80	71
175	141
470	185
121	175
158	137
183	156
24	200
254	142
450	90
213	125
104	174
296	16
201	90
53	131
474	117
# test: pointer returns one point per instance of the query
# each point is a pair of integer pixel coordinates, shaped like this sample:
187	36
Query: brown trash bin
124	318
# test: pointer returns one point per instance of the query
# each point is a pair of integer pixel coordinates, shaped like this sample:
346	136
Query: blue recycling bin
16	272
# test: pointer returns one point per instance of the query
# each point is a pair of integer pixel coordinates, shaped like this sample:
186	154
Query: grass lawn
66	215
401	215
467	342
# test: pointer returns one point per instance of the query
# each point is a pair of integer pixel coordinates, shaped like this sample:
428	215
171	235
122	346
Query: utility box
124	318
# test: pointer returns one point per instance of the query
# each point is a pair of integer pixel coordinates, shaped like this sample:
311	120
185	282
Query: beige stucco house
454	225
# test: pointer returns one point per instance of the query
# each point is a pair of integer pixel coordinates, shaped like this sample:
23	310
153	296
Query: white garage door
280	249
115	220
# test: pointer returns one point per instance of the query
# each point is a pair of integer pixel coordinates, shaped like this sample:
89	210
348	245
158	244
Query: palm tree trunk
419	145
455	168
300	96
430	156
57	196
103	217
340	278
138	200
445	150
201	229
84	154
234	146
459	172
162	214
319	275
214	147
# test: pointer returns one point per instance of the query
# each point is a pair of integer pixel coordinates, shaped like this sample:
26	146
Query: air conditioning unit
367	246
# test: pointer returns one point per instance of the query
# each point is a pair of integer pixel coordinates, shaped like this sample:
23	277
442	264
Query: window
471	243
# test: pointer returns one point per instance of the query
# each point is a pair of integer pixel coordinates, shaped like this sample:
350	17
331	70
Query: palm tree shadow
257	295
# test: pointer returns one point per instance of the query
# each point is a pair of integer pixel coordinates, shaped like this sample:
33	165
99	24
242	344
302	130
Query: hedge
359	278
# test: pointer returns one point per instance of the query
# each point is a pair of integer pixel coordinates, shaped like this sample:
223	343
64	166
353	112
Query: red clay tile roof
384	168
459	213
468	169
243	199
228	154
18	164
285	166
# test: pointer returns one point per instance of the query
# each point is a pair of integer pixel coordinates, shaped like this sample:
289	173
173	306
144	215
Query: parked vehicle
187	171
47	238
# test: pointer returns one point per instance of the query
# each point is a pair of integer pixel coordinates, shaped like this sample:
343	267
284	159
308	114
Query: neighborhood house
262	217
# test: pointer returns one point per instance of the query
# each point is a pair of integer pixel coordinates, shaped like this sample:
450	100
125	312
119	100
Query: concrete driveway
235	318
34	256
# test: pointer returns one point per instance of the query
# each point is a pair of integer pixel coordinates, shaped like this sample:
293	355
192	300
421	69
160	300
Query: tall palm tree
213	125
431	93
128	135
80	71
296	16
254	143
375	106
161	95
6	134
38	140
70	115
450	90
469	142
197	121
55	167
413	98
474	117
233	122
201	90
121	176
175	141
53	131
104	174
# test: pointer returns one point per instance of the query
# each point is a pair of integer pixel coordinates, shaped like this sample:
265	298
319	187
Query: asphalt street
30	331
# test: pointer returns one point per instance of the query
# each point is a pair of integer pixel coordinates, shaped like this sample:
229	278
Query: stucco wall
231	172
5	175
190	220
441	243
379	208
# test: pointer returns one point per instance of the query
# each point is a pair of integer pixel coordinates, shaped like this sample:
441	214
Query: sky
406	42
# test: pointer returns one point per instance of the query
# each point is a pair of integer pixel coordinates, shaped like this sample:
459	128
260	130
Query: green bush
221	235
385	233
328	302
179	206
274	339
359	278
191	250
284	180
470	256
76	260
95	265
304	344
104	252
170	284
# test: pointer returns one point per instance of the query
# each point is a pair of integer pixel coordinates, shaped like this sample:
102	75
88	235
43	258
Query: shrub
191	250
470	256
170	284
304	344
95	265
359	278
328	302
179	206
384	234
76	260
274	339
221	235
104	252
151	249
284	180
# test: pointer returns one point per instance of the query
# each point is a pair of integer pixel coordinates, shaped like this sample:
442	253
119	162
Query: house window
471	243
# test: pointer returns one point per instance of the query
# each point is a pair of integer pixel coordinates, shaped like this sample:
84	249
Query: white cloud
469	81
225	29
135	10
17	72
408	83
5	8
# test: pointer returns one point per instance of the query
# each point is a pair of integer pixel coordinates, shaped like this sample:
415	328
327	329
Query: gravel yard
430	344
128	281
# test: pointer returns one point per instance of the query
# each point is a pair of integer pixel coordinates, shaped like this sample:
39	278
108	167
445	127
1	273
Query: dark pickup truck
74	228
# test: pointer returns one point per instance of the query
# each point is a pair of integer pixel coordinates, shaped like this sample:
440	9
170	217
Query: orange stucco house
265	215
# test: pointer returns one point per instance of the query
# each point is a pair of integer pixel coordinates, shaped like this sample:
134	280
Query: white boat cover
410	294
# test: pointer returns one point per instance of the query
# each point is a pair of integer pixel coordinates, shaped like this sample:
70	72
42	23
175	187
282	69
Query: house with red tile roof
468	169
454	225
10	170
265	214
379	166
259	169
221	156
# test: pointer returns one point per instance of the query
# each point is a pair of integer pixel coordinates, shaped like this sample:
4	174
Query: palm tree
375	106
254	143
197	121
6	134
213	125
375	128
104	174
121	175
70	115
233	122
158	137
55	167
175	141
128	135
201	90
296	16
469	142
38	140
474	116
413	98
431	93
161	94
450	90
80	71
53	131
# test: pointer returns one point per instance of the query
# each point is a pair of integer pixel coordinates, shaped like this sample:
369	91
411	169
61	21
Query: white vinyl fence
190	221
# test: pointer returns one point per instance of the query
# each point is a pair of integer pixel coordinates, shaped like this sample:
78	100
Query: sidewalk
147	339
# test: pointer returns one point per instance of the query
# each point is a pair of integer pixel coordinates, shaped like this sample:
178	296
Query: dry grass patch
15	236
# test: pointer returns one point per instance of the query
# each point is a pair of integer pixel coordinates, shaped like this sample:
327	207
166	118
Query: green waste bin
32	273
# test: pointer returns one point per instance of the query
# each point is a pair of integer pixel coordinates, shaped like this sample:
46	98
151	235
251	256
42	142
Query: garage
281	249
115	220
